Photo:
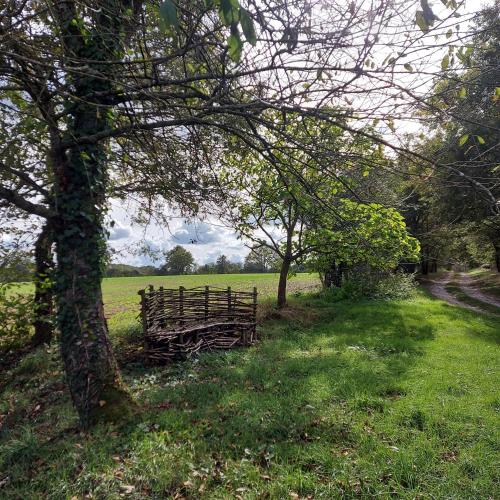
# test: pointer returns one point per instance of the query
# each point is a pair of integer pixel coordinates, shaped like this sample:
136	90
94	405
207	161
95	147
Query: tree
448	202
375	235
222	264
277	208
178	261
261	260
92	90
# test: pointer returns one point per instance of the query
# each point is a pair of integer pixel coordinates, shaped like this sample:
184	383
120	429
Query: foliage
453	210
366	282
261	260
295	204
399	285
16	317
178	260
370	234
123	270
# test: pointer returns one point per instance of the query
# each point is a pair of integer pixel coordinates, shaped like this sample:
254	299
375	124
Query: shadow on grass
293	408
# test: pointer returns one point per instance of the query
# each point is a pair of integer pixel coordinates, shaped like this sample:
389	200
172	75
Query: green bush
399	285
373	284
16	317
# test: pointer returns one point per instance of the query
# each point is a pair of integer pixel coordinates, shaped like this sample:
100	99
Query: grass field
121	301
353	400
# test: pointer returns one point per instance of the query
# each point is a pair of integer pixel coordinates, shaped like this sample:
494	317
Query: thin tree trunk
43	308
497	256
285	268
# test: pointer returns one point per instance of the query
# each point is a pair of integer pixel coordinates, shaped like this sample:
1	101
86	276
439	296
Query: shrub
16	317
364	282
395	286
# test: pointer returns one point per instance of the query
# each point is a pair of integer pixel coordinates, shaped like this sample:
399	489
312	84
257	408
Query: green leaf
449	33
229	11
248	27
480	139
445	62
235	45
462	94
463	139
421	22
497	91
168	13
408	67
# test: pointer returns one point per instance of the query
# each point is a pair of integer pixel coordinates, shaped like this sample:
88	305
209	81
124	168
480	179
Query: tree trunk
497	256
90	365
335	275
80	173
424	265
285	268
43	308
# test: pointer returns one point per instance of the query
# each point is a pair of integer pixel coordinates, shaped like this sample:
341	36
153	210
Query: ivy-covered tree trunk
43	303
80	189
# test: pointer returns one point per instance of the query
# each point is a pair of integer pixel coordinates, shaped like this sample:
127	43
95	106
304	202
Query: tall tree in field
108	84
261	260
178	261
280	209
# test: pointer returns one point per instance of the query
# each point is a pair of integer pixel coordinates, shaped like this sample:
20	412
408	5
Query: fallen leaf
127	488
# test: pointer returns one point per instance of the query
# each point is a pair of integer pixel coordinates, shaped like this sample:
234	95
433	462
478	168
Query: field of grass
121	301
368	399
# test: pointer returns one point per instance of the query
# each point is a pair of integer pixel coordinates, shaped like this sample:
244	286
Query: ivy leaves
231	14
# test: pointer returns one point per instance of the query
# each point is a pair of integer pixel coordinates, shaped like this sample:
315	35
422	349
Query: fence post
161	306
144	312
254	332
206	301
181	306
229	303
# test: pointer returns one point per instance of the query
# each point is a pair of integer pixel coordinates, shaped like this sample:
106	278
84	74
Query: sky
205	239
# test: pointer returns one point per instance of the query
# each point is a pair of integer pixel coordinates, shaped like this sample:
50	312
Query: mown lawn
337	400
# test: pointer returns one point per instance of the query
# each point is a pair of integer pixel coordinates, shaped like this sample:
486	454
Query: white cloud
206	239
119	232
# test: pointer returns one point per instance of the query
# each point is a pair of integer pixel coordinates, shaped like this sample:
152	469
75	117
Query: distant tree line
179	261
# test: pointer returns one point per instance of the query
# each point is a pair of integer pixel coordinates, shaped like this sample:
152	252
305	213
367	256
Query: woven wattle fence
178	323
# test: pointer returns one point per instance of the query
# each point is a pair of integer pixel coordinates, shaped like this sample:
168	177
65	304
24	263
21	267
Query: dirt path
468	286
436	287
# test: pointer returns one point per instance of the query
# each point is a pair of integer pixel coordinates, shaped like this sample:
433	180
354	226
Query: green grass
387	399
121	301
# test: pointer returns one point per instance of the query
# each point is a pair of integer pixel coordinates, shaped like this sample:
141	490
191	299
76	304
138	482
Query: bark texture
80	189
285	268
